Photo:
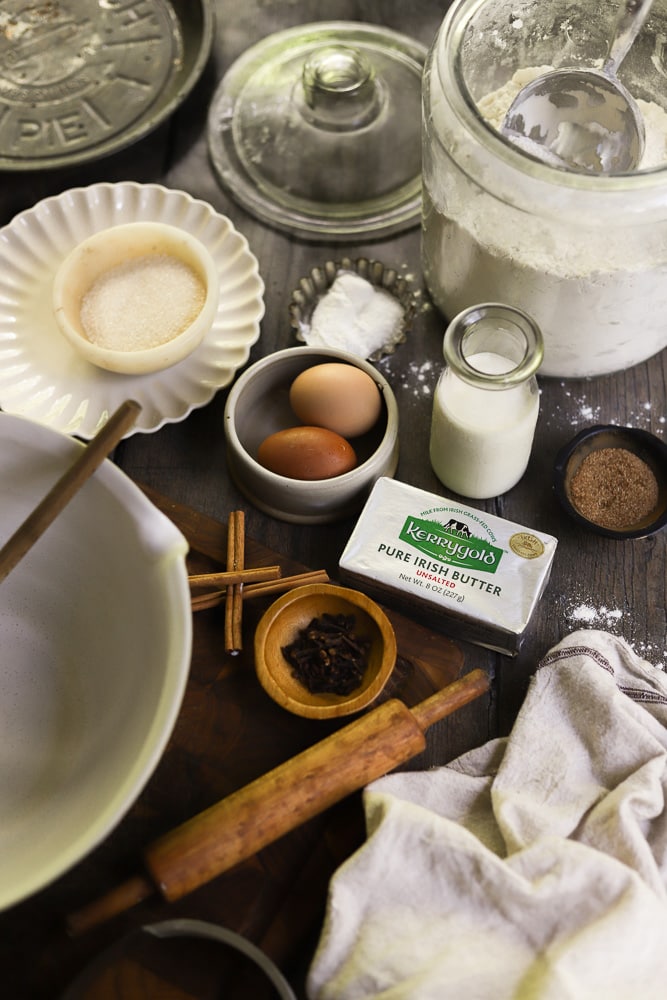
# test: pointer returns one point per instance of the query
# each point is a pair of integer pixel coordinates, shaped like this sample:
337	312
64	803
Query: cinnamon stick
258	574
286	583
233	598
211	600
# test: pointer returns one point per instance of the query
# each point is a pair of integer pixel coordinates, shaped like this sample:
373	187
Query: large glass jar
585	255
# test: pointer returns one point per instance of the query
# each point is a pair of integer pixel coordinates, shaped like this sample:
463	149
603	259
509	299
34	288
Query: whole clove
327	655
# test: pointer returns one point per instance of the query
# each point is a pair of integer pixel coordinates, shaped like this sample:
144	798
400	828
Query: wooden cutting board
427	660
228	733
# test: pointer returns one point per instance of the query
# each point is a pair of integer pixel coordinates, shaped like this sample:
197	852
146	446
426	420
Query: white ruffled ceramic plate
43	378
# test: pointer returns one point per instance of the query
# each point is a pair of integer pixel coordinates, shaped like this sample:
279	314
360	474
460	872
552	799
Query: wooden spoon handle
67	486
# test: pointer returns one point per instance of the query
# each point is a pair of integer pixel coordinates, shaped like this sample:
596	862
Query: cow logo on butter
451	543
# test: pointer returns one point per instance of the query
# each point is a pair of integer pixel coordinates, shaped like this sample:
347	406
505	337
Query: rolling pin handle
451	698
131	892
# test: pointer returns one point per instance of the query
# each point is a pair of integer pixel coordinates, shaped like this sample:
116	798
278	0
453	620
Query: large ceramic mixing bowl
95	632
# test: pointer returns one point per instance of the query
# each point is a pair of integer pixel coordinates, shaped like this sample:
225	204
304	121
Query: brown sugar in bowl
589	499
293	611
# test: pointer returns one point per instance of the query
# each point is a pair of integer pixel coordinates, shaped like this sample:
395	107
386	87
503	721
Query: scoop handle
629	22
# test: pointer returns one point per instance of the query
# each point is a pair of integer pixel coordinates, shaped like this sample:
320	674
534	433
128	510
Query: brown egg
341	397
306	453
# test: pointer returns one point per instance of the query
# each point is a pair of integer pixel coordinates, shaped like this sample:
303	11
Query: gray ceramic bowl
258	405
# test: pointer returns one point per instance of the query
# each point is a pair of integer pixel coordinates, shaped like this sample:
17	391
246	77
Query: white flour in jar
599	293
495	106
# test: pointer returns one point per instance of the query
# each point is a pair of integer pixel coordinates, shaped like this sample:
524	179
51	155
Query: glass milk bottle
486	401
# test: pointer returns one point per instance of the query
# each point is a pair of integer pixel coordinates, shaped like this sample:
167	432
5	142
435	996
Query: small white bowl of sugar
136	298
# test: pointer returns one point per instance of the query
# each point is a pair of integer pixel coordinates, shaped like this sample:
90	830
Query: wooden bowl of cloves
324	651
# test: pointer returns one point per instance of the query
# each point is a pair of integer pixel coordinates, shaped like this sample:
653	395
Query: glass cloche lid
316	130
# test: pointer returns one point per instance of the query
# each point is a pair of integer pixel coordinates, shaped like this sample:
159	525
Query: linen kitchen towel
532	868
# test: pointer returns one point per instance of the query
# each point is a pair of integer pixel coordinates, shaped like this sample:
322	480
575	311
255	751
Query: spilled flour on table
421	377
651	652
582	614
418	378
581	413
586	614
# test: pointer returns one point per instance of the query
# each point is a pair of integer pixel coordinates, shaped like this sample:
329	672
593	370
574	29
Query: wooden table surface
595	582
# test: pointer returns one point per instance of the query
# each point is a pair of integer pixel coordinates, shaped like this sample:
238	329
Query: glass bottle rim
464	325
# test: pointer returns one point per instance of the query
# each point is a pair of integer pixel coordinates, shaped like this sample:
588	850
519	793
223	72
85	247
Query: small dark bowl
644	445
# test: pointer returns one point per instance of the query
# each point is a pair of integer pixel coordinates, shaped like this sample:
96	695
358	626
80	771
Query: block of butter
476	576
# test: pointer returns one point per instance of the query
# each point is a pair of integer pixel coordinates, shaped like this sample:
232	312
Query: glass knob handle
341	92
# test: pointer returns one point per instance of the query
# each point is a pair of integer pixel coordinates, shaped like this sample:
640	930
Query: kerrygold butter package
476	576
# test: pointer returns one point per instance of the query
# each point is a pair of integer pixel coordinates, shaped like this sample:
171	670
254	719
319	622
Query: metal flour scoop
584	119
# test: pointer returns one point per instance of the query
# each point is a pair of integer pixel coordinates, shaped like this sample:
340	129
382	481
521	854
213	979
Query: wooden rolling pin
248	820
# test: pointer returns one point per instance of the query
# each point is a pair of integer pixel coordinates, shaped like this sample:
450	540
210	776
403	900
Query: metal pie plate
81	79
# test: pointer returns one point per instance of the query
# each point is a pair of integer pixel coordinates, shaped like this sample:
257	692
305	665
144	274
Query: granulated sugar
142	303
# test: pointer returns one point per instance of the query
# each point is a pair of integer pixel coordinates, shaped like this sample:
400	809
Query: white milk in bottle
486	402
